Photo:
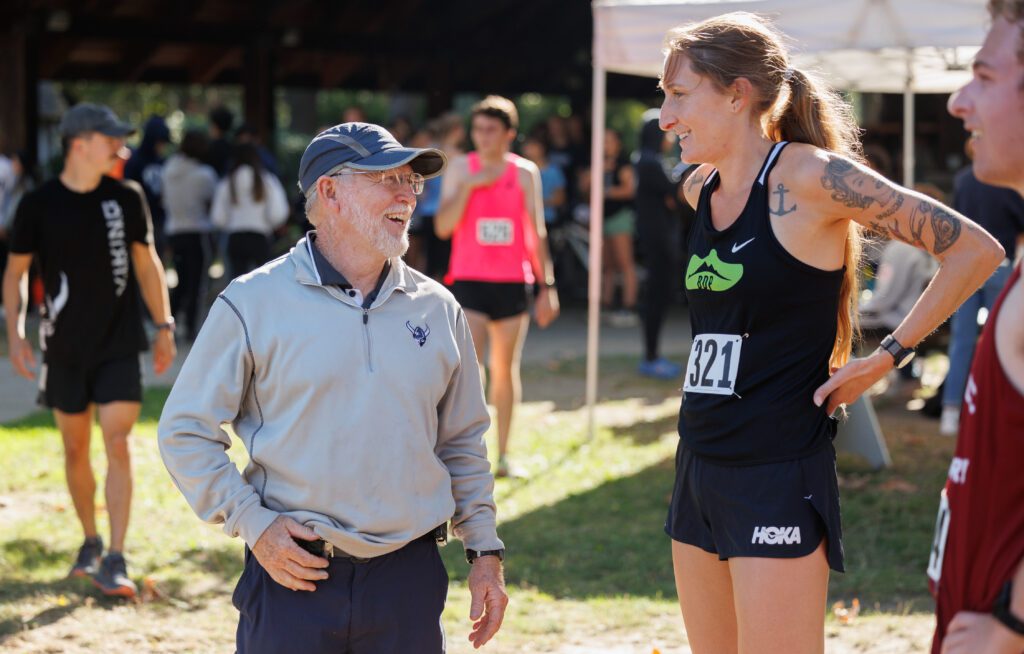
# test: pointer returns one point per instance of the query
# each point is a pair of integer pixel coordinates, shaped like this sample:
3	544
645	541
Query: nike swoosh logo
736	248
809	496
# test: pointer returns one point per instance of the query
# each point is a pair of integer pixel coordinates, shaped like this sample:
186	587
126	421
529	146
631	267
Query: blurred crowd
220	209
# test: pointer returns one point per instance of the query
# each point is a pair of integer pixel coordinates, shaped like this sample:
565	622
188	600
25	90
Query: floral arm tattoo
857	190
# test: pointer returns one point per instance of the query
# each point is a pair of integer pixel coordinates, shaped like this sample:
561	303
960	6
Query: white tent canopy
895	46
859	45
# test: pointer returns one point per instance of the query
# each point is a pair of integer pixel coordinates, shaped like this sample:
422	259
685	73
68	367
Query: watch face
907	359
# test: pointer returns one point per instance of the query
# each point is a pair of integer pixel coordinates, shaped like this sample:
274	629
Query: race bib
939	543
494	231
714	360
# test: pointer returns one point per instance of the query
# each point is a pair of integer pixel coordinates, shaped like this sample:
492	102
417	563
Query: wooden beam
135	60
205	68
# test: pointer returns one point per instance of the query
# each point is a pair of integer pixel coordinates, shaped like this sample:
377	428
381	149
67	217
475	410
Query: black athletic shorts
497	300
773	510
72	388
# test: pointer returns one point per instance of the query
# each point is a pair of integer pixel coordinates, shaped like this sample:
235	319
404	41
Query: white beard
376	233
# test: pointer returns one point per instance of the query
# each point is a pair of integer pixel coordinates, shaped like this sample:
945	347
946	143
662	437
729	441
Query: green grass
586	552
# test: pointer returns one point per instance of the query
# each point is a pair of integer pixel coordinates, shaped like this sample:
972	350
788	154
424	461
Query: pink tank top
495	241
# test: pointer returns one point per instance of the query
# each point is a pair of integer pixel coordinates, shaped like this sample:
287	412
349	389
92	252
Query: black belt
324	549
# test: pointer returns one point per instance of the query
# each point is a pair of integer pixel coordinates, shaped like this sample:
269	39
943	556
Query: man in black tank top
770	279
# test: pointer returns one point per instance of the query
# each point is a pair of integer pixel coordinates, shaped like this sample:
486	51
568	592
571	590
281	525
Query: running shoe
113	579
623	318
659	369
508	470
88	562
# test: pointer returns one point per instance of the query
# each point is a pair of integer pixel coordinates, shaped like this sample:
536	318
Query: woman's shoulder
804	167
694	182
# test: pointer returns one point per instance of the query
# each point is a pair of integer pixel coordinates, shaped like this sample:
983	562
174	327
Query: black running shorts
772	510
496	300
72	388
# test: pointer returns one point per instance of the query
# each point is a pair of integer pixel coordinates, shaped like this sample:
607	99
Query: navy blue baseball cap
363	146
88	117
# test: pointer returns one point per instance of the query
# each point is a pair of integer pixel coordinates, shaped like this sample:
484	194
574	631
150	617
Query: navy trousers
391	603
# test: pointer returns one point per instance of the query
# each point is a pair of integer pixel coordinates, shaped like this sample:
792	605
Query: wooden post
19	114
258	82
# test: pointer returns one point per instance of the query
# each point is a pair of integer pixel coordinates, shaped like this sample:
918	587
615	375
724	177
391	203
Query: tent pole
596	234
908	123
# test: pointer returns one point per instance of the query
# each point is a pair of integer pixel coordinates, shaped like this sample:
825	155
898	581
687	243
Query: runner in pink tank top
491	208
495	241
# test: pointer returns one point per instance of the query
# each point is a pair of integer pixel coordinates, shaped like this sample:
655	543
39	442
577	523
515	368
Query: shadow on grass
645	432
563	382
15	625
224	562
31	564
604	542
30	555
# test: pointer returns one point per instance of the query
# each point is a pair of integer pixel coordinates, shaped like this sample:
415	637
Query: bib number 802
713	363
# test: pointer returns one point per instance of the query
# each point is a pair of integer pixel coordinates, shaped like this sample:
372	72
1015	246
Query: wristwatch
901	355
169	325
1001	610
473	555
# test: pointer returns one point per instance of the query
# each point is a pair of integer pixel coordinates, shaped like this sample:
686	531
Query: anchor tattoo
781	191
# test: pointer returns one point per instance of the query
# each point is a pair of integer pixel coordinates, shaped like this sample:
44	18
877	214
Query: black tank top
764	326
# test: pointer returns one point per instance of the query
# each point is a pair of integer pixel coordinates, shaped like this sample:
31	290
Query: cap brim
120	129
429	162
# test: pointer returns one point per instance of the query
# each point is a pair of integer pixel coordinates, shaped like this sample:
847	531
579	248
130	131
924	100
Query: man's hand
22	357
287	563
488	599
980	633
546	307
847	383
164	350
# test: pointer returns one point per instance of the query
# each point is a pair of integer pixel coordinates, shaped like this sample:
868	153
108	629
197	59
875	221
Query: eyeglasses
392	181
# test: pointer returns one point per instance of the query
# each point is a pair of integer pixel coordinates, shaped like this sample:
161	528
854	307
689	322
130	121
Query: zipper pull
366	316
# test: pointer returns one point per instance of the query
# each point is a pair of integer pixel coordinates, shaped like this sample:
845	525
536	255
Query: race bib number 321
714	360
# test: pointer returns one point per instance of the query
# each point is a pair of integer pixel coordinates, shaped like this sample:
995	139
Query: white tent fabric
858	45
895	46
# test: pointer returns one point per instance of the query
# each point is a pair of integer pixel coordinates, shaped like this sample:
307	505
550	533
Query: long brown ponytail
795	107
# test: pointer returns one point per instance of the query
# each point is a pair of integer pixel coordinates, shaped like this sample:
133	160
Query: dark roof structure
437	47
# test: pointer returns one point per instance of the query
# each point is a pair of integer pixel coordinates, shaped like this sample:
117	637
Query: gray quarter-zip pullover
365	424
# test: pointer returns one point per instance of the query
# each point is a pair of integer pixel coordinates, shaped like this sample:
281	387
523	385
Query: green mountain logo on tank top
711	273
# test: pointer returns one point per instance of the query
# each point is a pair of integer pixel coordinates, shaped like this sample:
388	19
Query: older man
352	382
977	560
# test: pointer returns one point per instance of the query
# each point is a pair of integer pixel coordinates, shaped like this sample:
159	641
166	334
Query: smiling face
368	212
991	106
695	110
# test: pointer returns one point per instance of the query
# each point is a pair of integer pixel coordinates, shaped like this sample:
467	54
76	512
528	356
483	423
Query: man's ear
327	189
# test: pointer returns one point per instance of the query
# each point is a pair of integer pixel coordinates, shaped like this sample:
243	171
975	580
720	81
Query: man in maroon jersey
975	565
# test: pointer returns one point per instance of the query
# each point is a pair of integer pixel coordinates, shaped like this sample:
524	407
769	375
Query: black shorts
774	510
71	388
497	300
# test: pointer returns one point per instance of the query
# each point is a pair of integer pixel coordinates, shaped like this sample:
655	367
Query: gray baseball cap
88	117
363	146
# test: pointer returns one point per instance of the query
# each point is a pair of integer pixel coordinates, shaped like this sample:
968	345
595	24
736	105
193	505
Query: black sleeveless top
756	303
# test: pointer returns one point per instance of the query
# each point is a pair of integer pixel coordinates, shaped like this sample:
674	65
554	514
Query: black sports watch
1001	610
901	355
473	555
